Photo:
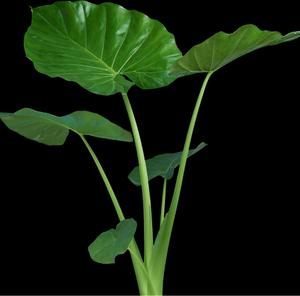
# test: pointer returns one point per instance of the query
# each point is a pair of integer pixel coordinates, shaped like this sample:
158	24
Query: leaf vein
136	50
242	36
145	56
121	44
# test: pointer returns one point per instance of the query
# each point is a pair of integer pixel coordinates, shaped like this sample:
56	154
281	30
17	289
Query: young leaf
113	242
161	165
222	48
96	45
52	130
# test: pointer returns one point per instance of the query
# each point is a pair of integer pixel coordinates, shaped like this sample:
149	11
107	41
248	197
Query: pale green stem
163	202
138	264
160	249
148	232
107	184
185	152
147	284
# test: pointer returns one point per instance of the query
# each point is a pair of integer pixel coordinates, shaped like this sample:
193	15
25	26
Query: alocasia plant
107	49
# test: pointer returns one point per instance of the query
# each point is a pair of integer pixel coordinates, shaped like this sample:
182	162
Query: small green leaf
223	48
161	165
97	45
52	130
113	242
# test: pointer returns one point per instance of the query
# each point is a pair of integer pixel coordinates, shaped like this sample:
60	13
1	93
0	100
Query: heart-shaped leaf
95	45
113	242
222	48
52	130
161	165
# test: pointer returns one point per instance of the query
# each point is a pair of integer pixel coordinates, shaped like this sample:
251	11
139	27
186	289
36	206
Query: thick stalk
160	249
185	152
148	232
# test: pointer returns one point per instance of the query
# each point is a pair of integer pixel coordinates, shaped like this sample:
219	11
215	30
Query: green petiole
179	179
163	202
139	267
103	175
160	250
148	232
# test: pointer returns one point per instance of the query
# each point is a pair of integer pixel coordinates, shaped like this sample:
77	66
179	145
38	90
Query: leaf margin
134	176
6	117
112	232
122	85
181	67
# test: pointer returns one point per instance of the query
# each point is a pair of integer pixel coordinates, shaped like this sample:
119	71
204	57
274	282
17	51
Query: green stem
138	264
107	184
148	232
185	152
147	288
163	202
160	249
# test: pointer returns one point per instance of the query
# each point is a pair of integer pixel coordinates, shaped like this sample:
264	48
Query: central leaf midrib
72	129
95	57
59	123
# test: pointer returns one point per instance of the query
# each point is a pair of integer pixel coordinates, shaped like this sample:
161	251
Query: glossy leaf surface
96	45
52	130
161	165
223	48
113	242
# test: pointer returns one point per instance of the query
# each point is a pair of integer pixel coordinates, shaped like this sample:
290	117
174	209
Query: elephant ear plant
107	49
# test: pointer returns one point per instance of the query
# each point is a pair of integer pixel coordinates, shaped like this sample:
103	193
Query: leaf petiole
160	249
148	232
138	264
103	175
184	156
163	202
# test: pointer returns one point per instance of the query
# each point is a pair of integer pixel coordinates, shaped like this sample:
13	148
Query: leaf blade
161	165
113	242
222	48
51	130
96	45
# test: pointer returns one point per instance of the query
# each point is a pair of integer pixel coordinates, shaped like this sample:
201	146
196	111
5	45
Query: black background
237	221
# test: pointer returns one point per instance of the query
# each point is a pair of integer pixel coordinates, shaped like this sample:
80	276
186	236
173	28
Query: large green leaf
222	48
113	242
52	130
95	45
161	165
